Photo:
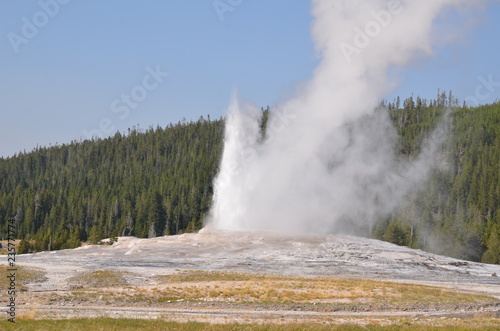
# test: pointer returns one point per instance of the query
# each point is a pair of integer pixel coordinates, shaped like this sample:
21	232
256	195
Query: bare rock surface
256	252
304	255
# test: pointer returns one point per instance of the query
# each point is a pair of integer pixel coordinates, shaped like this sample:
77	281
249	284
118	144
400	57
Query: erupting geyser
328	158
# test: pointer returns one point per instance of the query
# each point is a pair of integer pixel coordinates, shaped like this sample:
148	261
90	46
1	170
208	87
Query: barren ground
257	277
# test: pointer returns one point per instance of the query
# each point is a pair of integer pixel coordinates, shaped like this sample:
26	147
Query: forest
159	181
147	183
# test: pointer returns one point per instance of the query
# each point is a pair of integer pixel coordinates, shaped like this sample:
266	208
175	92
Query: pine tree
95	235
23	247
156	216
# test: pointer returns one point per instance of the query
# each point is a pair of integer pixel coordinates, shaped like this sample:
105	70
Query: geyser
327	160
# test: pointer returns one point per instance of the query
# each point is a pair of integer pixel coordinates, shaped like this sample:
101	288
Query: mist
328	161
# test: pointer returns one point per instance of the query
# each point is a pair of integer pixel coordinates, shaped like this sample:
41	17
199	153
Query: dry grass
237	287
227	287
24	275
228	290
98	279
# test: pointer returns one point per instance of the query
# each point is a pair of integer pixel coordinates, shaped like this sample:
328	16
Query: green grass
108	324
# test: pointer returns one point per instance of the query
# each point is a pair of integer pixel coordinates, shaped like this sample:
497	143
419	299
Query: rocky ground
128	275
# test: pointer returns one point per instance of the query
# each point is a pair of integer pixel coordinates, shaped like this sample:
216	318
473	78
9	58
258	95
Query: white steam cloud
328	160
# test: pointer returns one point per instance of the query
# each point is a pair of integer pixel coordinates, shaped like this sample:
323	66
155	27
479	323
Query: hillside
159	181
458	212
145	184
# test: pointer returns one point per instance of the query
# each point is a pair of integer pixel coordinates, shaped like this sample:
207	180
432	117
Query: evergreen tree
95	235
23	247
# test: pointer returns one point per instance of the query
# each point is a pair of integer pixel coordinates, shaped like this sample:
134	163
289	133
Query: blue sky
68	79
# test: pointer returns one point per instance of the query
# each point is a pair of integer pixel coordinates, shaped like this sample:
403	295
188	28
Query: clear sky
67	66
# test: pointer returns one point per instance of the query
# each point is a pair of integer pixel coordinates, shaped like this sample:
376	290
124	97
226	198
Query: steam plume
327	160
